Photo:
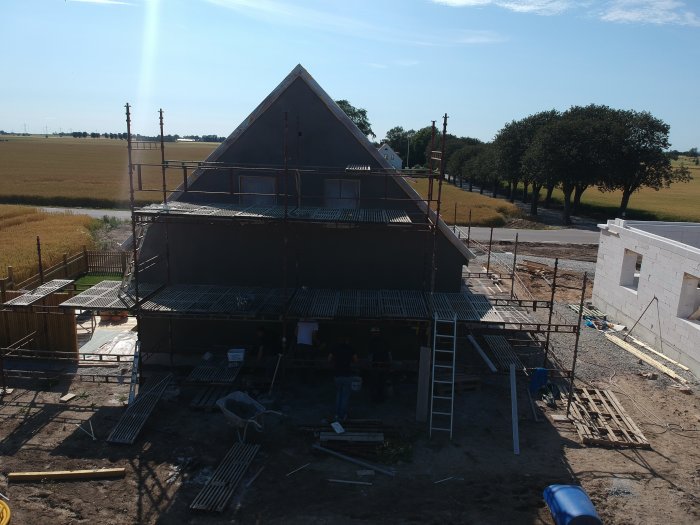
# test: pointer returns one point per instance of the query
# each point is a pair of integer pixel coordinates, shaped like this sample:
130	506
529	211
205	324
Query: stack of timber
600	419
650	360
138	412
216	494
363	438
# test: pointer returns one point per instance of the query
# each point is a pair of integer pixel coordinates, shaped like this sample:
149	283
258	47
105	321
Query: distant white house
391	156
185	140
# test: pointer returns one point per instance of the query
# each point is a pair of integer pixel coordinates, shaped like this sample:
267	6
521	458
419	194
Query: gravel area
599	360
564	264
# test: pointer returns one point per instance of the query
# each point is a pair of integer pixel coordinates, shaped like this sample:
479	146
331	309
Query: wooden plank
664	356
100	473
366	437
67	397
641	355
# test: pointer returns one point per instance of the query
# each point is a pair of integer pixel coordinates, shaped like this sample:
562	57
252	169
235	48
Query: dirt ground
179	448
474	478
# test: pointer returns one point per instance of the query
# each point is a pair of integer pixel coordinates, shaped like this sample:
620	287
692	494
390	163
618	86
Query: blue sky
72	64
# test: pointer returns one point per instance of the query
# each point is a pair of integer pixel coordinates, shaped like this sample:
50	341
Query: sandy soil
179	449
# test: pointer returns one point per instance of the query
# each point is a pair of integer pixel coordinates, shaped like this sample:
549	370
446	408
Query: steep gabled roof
300	73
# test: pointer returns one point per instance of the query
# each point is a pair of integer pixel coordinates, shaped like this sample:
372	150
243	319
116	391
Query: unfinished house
296	220
648	275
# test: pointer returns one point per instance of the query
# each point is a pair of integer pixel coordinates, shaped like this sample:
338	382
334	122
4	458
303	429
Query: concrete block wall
665	263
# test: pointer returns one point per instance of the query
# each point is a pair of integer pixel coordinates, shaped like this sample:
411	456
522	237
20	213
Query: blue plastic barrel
538	380
570	505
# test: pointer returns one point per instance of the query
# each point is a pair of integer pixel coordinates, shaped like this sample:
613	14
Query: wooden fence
43	327
71	266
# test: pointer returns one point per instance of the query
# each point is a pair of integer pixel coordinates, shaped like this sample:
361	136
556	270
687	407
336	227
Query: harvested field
60	234
486	211
86	172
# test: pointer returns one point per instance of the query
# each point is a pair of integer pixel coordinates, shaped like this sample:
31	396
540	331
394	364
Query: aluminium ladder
443	376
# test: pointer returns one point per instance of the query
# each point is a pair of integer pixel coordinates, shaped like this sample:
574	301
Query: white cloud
650	12
540	7
621	11
288	13
102	2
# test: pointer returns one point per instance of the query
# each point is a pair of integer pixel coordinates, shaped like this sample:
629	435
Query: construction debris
297	469
67	397
386	471
349	482
58	475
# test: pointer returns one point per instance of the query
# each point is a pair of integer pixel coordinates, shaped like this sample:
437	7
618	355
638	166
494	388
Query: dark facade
321	142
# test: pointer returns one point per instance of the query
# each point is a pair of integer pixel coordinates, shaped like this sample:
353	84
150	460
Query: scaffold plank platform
213	374
138	412
39	293
503	353
272	212
105	296
216	494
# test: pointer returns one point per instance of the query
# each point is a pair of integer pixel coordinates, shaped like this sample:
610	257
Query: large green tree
358	116
637	158
511	143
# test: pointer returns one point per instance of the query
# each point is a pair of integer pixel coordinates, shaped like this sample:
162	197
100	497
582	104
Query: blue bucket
570	505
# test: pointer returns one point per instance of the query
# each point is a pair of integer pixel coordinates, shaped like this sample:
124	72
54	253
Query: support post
469	227
515	262
454	224
162	155
285	247
578	334
38	256
488	258
65	265
551	310
514	411
437	208
134	240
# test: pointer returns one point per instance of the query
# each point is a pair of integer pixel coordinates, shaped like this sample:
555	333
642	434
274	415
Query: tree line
583	147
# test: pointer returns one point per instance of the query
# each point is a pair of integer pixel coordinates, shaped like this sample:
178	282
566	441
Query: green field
86	172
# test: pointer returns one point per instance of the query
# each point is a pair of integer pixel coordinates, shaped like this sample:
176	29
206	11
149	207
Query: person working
342	358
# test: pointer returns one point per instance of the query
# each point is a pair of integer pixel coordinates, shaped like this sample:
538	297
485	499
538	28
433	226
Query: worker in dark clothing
342	358
380	362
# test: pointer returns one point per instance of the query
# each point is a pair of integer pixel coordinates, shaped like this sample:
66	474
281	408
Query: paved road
97	214
563	236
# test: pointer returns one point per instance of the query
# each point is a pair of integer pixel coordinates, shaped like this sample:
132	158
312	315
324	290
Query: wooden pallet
600	419
216	494
132	421
206	397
